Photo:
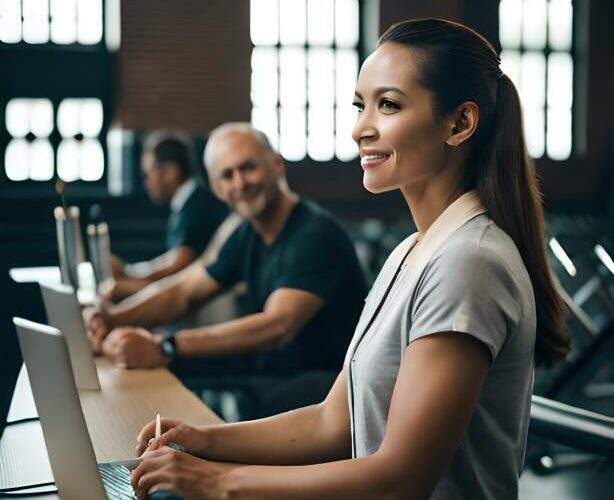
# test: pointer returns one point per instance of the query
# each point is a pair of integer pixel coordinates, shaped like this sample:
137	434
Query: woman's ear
463	123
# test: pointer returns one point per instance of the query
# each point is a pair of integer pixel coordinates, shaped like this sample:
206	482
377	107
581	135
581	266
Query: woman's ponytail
508	187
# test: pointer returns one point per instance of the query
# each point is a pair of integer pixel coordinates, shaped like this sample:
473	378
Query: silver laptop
64	313
71	455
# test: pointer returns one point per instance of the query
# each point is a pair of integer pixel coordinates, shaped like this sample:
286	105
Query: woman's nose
364	128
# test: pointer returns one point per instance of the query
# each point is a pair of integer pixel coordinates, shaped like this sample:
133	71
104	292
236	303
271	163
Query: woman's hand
192	439
179	472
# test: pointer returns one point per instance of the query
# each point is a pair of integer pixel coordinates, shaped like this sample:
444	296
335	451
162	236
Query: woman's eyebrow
382	90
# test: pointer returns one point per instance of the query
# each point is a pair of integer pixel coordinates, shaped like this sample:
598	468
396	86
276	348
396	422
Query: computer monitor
10	364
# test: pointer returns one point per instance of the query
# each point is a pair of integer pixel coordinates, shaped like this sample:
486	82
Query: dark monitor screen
10	364
19	299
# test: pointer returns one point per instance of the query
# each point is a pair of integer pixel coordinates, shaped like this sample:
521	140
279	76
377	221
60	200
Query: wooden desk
128	400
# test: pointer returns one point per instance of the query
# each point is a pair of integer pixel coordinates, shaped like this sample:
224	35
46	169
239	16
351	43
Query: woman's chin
375	187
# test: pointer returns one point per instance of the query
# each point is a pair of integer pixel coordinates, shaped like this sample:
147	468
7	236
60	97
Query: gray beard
252	208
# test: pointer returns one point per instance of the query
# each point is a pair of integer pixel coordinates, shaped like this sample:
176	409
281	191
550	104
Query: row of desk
128	399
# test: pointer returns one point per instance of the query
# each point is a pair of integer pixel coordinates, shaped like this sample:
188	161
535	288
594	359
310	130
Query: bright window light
292	91
346	23
63	21
89	26
320	22
292	133
533	80
91	163
35	21
559	134
90	117
560	80
534	24
510	65
68	118
345	147
17	160
264	91
510	31
321	133
534	124
346	75
41	117
560	24
265	119
41	160
10	21
304	69
68	160
264	22
292	23
321	82
530	31
17	117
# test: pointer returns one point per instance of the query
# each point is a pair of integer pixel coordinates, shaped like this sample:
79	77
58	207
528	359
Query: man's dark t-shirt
196	222
311	253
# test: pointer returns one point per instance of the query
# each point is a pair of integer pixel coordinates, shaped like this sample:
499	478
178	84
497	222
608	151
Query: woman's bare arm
437	388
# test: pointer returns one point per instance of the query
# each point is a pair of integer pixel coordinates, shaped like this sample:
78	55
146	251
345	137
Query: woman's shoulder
481	245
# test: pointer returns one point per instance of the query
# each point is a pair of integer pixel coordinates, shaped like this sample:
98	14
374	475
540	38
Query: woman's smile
371	160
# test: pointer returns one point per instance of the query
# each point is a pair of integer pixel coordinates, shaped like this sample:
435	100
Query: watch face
168	349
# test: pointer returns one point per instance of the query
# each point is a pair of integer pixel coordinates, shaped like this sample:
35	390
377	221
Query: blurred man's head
166	162
244	170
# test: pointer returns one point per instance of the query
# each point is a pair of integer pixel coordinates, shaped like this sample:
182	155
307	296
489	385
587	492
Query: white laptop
71	455
64	313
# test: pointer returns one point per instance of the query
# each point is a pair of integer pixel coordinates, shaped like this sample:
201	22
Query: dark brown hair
172	146
458	65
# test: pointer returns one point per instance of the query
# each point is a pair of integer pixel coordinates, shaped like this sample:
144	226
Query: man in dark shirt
167	166
305	288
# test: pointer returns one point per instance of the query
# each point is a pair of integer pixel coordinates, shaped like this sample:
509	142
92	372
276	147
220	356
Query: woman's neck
427	202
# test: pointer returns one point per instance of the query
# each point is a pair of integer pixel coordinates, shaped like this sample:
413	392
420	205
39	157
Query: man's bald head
244	171
231	133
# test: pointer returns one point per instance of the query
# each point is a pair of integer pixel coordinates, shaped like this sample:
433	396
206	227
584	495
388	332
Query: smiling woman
433	400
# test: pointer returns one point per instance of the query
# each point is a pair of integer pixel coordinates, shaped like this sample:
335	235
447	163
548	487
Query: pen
158	426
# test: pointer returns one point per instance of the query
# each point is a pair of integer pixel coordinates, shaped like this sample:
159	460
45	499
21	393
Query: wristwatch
168	348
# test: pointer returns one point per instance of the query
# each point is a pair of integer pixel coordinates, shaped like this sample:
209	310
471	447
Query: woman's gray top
476	283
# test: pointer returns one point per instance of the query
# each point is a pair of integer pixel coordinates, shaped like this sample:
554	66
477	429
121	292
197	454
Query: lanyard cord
373	317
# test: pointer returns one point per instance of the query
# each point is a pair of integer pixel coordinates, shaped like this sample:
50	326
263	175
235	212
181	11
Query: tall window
56	21
536	41
55	134
29	154
304	69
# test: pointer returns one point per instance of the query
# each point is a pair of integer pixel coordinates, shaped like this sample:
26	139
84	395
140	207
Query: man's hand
193	439
116	290
117	267
98	325
133	347
182	473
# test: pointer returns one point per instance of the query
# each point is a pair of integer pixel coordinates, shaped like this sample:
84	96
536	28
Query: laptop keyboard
116	481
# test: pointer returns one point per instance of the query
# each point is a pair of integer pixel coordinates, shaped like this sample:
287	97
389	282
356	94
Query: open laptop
64	313
71	455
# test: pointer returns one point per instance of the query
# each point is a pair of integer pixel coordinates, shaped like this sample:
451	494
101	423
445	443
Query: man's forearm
156	304
303	436
251	332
